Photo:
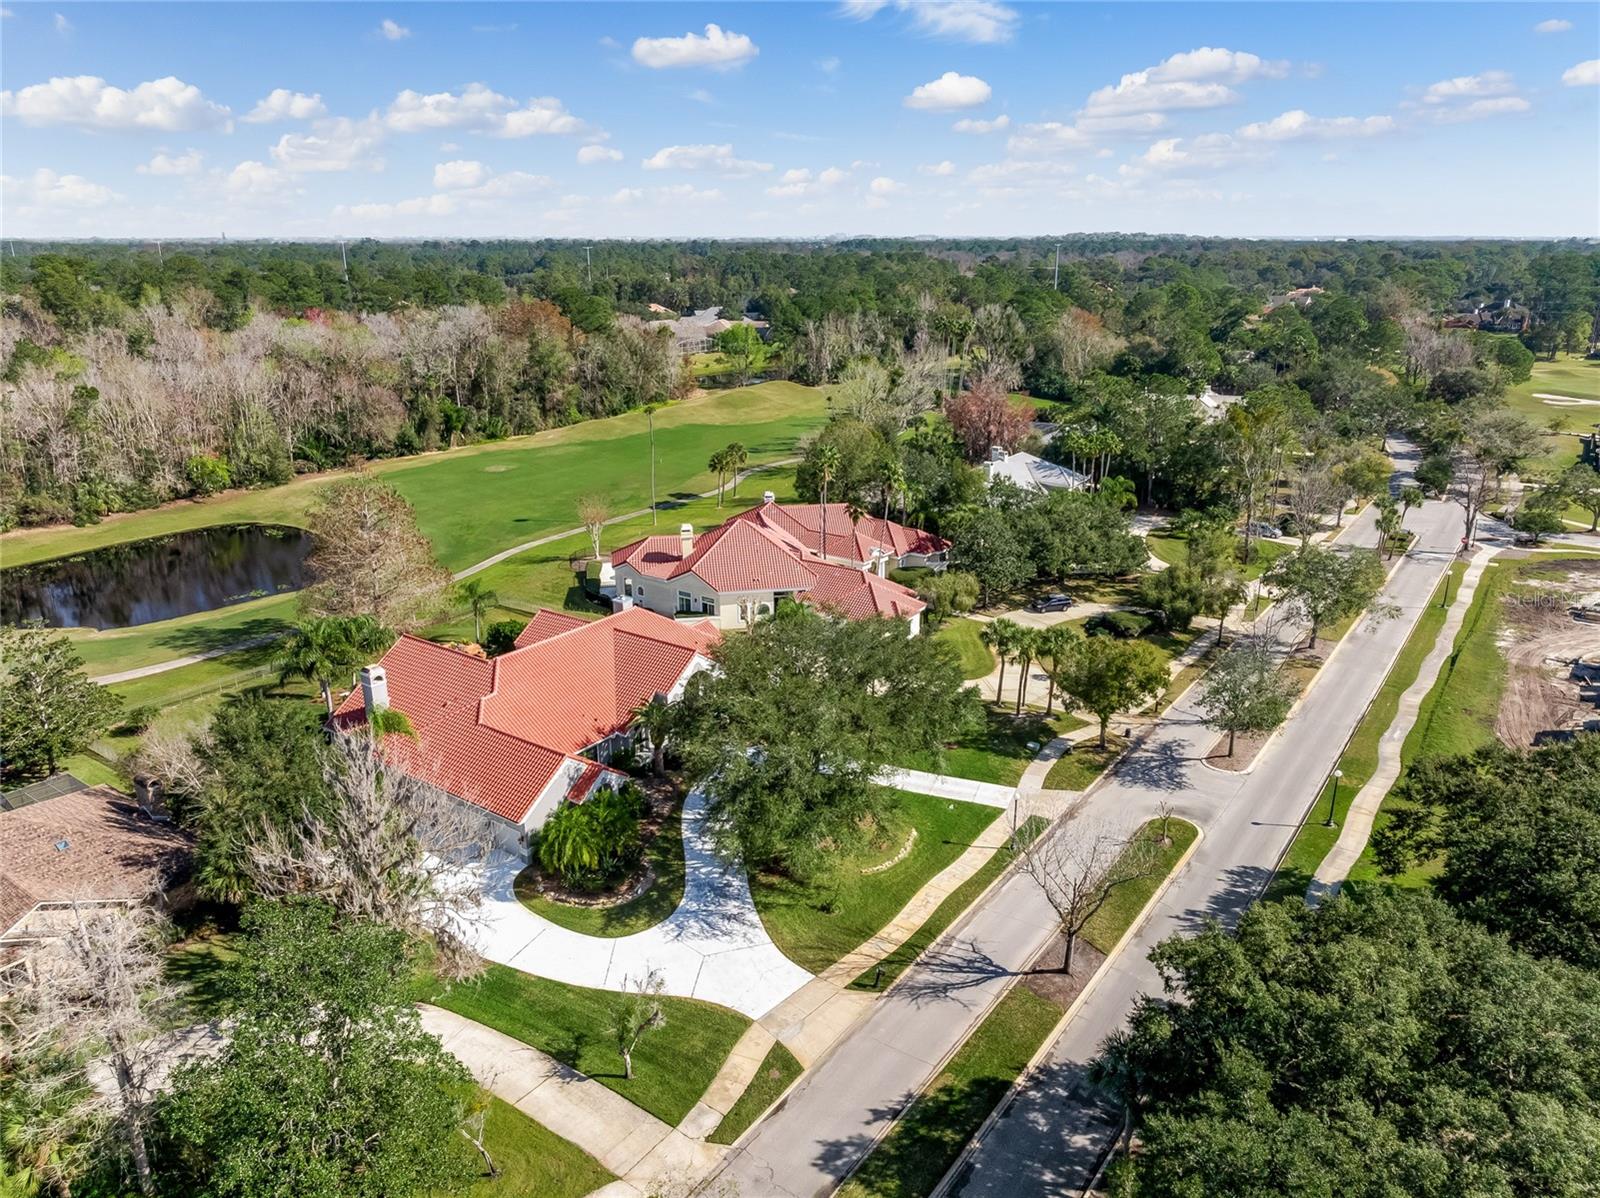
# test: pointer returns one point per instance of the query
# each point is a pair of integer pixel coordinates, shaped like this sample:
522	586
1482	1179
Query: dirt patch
1552	658
1046	979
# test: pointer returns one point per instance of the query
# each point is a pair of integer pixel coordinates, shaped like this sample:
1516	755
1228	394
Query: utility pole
160	257
588	267
1055	281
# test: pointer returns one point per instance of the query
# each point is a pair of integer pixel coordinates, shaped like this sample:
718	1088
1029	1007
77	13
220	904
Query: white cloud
800	181
703	158
339	144
1209	151
828	65
168	104
62	27
46	189
1554	25
949	90
480	108
434	205
460	173
392	30
1193	79
1479	109
1013	173
976	125
885	186
1585	74
701	96
281	104
675	193
1046	137
983	22
505	184
163	163
253	181
715	48
1133	122
1298	123
938	169
1489	83
589	155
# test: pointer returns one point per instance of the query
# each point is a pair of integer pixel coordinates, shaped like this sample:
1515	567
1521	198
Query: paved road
830	1120
1049	1140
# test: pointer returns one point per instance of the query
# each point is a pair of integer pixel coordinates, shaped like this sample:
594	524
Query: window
627	587
708	606
639	593
685	601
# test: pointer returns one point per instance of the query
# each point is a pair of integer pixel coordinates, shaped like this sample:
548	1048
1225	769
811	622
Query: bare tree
1078	868
637	1011
95	989
1313	491
593	513
394	850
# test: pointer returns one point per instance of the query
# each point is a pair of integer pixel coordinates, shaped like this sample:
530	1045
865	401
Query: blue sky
798	119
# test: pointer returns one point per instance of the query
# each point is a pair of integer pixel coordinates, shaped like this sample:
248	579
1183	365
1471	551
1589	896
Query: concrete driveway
712	947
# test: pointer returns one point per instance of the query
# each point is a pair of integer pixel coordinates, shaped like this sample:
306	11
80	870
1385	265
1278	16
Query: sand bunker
1565	401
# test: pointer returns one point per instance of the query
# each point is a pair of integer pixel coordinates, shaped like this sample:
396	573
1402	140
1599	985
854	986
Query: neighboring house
520	734
740	571
1032	473
91	845
1300	297
697	332
1213	405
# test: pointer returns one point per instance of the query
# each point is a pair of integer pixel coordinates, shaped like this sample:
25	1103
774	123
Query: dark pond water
142	581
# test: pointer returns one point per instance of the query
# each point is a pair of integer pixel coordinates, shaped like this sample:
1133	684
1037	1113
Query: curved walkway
712	947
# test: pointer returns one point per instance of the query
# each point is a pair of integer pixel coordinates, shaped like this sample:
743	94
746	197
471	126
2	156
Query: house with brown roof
520	734
92	845
739	571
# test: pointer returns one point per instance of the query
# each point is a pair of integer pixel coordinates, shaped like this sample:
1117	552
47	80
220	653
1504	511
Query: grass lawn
479	499
1086	762
665	857
532	1159
1360	758
816	922
962	635
672	1066
922	1146
778	1069
199	964
996	751
1174	550
881	976
926	1141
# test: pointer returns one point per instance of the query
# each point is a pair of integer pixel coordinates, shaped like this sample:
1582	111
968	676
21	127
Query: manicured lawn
199	965
929	1137
778	1069
816	922
1360	758
881	976
962	635
672	1065
1086	762
1174	550
1569	374
114	650
532	1159
1128	899
995	751
478	499
665	857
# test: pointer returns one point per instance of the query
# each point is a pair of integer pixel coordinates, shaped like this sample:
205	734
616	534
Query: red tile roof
756	552
853	541
546	624
497	732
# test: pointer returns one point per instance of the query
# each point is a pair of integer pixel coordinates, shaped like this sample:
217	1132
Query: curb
975	1142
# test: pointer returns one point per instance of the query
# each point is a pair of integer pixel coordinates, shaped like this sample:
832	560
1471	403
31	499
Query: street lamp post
1333	798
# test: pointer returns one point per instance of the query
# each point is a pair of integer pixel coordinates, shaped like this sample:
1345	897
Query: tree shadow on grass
202	638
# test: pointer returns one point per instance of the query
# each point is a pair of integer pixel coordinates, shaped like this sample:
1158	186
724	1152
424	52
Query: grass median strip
929	1137
778	1069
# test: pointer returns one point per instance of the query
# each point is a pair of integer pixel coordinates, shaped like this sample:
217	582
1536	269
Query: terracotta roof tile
546	624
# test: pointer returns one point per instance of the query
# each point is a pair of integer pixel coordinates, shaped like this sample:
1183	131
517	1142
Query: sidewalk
1363	809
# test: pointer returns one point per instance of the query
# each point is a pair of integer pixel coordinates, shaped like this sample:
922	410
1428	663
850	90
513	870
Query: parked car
1052	602
1262	529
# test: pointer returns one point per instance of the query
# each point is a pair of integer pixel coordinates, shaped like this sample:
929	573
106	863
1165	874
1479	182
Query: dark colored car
1055	602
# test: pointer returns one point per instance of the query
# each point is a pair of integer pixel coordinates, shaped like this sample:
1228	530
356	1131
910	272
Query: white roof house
1032	473
1213	405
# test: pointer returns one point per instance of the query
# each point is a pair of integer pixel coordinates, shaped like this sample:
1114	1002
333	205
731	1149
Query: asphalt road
1052	1134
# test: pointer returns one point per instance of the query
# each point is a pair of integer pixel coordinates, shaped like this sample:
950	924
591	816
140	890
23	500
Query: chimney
883	563
768	497
996	454
374	688
685	539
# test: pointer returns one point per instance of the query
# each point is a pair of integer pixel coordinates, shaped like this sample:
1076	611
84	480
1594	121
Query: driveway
712	947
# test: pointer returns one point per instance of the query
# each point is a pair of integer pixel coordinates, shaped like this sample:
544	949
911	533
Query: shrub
501	637
595	842
1124	625
207	474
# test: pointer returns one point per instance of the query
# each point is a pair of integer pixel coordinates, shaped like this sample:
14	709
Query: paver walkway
628	1140
712	947
1357	827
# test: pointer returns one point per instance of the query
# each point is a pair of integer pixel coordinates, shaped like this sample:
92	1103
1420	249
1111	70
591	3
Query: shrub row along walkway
1363	809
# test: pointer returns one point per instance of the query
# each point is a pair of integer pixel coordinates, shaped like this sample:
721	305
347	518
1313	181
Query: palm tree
993	636
1026	649
894	483
827	461
478	599
1054	645
650	410
328	647
1003	635
719	463
738	455
656	717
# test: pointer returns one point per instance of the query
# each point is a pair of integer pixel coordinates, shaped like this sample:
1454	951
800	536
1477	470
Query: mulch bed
1045	978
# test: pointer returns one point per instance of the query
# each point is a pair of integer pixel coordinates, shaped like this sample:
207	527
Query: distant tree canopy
1370	1047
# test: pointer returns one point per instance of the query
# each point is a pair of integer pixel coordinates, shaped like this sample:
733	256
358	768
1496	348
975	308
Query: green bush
592	843
501	637
1124	625
207	474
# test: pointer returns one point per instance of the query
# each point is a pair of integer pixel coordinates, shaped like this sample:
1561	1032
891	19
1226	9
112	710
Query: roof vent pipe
768	497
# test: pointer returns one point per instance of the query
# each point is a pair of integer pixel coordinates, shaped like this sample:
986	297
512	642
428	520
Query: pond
139	582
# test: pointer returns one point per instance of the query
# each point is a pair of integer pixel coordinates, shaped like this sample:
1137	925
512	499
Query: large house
1032	473
520	734
740	571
